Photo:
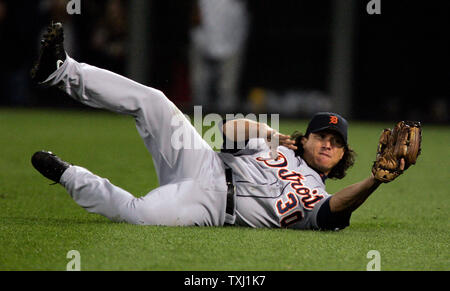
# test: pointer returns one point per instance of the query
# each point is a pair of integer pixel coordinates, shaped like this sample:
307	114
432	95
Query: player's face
323	150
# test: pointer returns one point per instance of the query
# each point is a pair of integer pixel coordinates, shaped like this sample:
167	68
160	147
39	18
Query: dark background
400	60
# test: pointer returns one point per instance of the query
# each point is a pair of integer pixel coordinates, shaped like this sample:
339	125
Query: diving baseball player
249	186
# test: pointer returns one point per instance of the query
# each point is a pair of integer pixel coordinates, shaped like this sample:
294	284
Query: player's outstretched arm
351	197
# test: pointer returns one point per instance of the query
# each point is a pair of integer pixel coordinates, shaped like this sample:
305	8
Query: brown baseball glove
397	150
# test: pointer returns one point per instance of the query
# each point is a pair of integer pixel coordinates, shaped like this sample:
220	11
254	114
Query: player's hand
285	140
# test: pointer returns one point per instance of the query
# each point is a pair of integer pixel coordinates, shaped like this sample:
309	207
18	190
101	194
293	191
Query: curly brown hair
340	170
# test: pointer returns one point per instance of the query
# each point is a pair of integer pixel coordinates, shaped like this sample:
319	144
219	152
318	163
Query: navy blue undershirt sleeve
327	220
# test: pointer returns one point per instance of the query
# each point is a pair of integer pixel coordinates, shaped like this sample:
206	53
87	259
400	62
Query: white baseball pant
192	180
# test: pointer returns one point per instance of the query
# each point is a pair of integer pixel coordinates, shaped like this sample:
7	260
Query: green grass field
407	221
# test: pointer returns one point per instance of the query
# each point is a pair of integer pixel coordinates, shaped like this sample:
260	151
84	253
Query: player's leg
189	202
98	195
176	147
184	203
158	120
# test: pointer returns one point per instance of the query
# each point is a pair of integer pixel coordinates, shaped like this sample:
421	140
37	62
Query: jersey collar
322	176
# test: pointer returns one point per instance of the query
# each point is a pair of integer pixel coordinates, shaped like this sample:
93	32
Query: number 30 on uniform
284	207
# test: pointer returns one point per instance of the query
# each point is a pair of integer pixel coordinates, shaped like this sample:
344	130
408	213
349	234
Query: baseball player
257	185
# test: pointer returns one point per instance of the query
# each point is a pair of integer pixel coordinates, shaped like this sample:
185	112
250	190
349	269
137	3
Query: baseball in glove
397	150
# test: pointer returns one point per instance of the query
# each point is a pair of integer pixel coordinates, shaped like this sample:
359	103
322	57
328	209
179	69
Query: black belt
230	191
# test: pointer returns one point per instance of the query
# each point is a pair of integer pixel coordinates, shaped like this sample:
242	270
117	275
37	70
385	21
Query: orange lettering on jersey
308	198
289	175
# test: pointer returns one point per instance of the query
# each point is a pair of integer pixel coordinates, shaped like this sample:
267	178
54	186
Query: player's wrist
373	182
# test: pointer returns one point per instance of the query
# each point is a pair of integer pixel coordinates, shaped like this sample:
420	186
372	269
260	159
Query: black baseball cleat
51	55
49	165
